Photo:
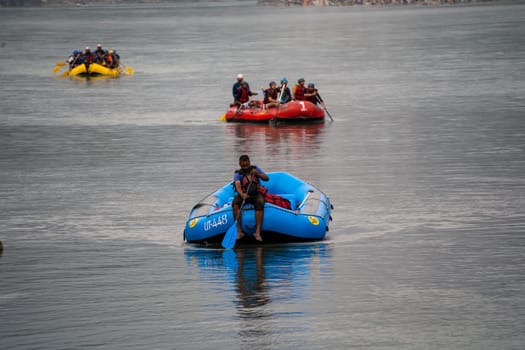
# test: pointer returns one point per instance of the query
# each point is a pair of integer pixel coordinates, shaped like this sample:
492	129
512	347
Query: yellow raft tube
93	69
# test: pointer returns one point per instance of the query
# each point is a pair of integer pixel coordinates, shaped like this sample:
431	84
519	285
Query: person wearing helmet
271	96
311	94
71	58
74	59
285	95
109	58
116	58
242	100
88	56
99	50
98	55
241	91
237	85
298	90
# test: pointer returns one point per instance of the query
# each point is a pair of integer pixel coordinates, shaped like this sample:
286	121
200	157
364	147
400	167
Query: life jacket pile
278	201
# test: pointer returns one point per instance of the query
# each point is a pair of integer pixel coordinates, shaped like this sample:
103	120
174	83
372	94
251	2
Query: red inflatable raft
292	112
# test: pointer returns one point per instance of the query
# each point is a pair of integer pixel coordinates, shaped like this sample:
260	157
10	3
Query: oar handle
322	104
244	200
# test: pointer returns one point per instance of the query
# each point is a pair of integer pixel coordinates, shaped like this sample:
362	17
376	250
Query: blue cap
284	80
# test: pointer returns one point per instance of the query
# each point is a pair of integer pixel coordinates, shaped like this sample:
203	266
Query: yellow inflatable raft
93	69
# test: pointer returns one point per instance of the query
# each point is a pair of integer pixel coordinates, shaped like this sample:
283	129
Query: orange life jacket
299	92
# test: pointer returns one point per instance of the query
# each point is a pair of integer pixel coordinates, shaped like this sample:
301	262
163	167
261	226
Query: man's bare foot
240	235
257	237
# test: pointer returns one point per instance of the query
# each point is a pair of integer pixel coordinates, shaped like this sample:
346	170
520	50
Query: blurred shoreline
283	3
328	3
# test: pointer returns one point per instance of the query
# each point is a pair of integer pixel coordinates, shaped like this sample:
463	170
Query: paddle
228	242
126	70
274	119
58	66
326	110
284	86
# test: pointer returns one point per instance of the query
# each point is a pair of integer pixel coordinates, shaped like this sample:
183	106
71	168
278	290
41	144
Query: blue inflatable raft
306	220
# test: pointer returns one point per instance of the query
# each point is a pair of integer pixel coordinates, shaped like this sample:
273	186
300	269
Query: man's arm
238	187
260	174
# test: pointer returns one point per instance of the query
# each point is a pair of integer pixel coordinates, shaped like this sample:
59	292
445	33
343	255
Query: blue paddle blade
228	242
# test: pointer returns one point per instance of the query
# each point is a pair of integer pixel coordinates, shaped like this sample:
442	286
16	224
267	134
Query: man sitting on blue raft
246	182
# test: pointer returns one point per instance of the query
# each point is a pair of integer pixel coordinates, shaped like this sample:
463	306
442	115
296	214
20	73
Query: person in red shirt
311	94
271	96
242	98
298	90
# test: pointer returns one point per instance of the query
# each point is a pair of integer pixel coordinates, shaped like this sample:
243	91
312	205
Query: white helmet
240	76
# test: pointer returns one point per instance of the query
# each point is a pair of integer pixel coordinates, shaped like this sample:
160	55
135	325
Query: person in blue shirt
237	86
284	92
246	183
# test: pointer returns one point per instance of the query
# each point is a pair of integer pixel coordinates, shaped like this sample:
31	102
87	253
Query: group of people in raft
106	58
273	95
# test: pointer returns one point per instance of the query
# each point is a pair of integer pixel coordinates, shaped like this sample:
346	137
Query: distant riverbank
322	3
38	3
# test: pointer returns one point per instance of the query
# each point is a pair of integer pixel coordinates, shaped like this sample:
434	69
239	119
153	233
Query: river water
424	164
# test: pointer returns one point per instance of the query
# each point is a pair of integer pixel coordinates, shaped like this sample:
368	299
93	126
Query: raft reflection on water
257	274
295	138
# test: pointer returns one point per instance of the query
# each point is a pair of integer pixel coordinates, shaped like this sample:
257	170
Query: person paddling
311	94
284	91
74	58
88	56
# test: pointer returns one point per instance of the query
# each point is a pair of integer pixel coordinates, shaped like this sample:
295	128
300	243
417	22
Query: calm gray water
424	164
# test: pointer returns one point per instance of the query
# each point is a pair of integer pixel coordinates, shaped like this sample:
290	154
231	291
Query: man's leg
259	215
236	210
258	221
